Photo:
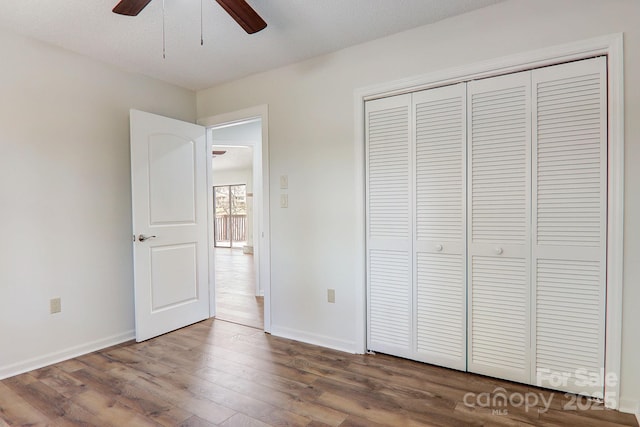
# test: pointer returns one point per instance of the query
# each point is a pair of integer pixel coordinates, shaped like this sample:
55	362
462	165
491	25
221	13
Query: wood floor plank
243	403
107	411
196	421
160	411
300	401
15	411
168	391
355	421
375	411
70	365
60	381
574	418
415	408
39	395
75	416
242	420
128	357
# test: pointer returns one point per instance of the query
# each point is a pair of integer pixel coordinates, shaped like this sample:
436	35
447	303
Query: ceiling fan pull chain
164	42
201	26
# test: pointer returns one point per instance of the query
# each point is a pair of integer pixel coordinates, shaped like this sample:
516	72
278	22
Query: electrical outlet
284	200
331	295
55	305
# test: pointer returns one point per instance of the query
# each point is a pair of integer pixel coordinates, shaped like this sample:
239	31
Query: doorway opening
235	187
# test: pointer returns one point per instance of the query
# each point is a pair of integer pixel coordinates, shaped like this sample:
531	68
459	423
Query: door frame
261	234
610	45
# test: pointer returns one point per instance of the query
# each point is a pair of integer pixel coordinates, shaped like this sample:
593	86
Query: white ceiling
297	29
228	138
235	158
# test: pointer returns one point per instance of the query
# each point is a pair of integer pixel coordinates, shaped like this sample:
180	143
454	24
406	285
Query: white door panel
389	227
569	228
499	140
168	164
439	239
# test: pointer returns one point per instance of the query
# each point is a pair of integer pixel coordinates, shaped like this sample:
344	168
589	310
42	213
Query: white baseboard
59	356
315	339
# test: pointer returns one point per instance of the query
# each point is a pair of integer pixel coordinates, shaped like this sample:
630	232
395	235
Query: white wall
65	209
234	176
311	134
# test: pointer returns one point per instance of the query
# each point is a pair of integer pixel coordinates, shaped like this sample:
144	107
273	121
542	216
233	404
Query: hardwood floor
236	299
220	373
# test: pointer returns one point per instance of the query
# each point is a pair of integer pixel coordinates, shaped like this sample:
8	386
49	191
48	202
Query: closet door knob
439	248
499	251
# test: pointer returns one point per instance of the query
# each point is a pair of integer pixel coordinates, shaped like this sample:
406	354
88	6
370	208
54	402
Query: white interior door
169	197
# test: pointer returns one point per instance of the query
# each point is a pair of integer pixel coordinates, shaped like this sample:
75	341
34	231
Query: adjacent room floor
236	299
217	373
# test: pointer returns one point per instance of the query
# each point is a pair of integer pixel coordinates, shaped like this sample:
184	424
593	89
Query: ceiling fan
239	10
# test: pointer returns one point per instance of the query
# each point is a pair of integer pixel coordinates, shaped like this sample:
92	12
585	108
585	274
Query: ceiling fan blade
130	7
244	15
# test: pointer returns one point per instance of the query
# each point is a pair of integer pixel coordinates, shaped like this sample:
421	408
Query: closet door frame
609	45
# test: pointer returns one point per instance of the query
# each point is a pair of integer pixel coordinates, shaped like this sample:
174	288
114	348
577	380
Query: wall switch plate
55	305
331	295
284	182
284	200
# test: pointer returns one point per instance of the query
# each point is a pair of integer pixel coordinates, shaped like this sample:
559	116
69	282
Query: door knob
142	237
499	251
439	248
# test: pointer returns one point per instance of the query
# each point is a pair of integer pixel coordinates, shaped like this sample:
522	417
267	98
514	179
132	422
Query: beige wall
311	137
65	209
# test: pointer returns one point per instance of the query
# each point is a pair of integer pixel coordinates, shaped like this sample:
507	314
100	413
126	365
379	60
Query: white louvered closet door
389	225
569	204
440	224
499	142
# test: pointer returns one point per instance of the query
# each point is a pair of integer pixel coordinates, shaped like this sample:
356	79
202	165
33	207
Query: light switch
284	182
55	305
331	295
284	200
